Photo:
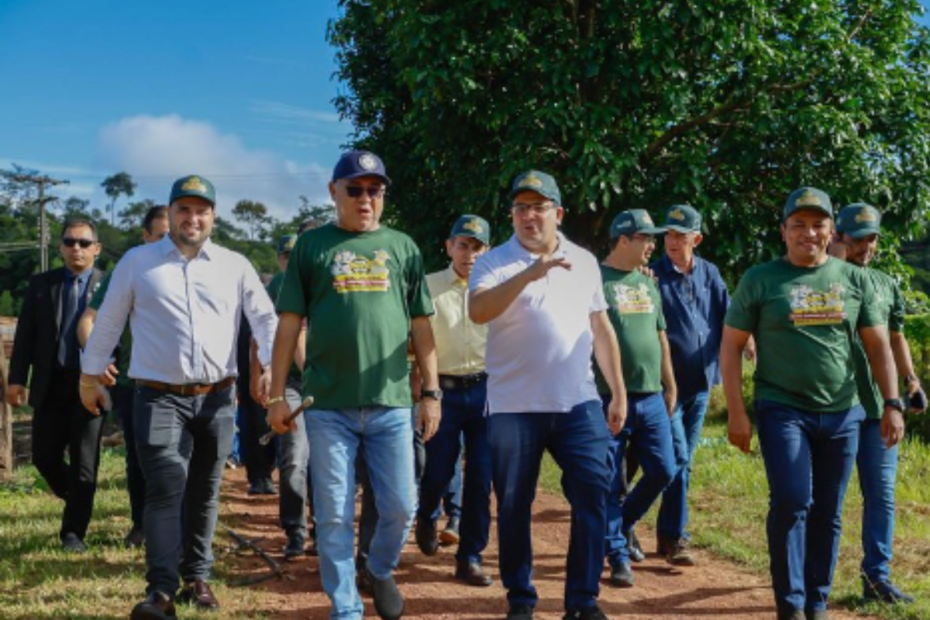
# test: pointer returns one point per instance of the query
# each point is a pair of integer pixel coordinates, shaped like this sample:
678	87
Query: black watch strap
895	403
434	394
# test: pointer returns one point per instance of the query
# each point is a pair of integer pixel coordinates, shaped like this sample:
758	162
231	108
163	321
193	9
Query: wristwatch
895	403
434	394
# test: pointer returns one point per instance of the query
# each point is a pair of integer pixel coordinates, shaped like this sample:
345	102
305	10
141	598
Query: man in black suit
46	342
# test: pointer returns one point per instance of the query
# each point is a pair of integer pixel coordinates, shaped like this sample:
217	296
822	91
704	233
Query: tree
120	184
74	208
132	216
6	304
253	215
725	104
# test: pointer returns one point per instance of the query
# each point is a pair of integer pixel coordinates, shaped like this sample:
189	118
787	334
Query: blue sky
239	91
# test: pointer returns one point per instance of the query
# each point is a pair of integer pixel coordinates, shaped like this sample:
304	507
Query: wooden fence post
6	424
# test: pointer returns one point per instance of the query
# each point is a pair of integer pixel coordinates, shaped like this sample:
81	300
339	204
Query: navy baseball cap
634	221
539	182
807	199
286	243
859	220
683	219
356	164
472	226
193	185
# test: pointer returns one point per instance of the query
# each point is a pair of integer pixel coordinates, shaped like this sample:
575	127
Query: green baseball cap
807	199
536	181
286	243
634	221
859	220
193	185
472	226
683	218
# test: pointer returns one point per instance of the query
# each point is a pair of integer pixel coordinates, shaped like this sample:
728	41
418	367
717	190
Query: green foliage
254	216
120	184
726	104
7	307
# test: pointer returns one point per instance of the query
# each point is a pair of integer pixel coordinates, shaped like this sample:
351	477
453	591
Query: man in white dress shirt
184	296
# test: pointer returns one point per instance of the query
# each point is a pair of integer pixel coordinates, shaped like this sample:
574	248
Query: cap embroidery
531	180
194	184
474	226
677	214
865	215
367	161
808	199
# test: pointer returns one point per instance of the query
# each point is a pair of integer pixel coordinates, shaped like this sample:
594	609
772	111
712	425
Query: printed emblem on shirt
633	299
813	307
355	274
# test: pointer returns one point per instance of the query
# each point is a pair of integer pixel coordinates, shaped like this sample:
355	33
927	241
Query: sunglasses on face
373	191
71	242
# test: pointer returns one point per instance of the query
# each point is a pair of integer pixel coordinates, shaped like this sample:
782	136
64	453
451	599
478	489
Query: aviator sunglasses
71	242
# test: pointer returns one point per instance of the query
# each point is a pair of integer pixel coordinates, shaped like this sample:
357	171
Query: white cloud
157	150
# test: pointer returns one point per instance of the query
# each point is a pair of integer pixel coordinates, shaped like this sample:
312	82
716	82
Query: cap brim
862	232
513	194
681	229
469	235
359	175
822	210
653	231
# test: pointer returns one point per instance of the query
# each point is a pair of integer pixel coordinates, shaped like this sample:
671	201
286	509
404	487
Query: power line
41	181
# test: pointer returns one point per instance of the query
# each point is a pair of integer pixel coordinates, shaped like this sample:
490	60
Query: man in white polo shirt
542	298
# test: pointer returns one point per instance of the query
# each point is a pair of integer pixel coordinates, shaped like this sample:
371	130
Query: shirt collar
70	276
167	246
452	277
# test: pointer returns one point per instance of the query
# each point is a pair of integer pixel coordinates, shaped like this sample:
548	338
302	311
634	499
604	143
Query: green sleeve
870	314
97	300
418	297
743	313
292	297
896	318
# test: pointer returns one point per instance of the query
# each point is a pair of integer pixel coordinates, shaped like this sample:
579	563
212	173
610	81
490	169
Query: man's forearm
901	351
668	372
607	354
424	350
731	370
485	305
282	353
881	360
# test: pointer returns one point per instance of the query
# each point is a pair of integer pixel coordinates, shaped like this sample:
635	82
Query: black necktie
67	344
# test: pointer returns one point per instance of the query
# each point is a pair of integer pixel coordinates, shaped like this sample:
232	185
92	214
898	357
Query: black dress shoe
472	573
198	594
156	606
520	612
634	548
884	591
72	544
388	600
426	536
294	547
450	535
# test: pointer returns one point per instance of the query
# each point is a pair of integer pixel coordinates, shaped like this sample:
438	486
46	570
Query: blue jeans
577	440
878	467
687	424
385	437
647	431
808	461
183	443
462	415
452	500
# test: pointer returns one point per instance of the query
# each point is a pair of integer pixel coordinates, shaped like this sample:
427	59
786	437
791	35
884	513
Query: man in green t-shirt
805	311
635	311
362	288
154	227
858	227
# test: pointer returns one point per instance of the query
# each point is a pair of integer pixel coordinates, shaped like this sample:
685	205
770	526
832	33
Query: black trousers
62	425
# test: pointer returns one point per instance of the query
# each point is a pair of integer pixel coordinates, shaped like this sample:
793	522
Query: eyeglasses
536	208
71	242
373	191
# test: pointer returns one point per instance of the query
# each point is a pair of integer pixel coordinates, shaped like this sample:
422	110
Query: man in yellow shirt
460	346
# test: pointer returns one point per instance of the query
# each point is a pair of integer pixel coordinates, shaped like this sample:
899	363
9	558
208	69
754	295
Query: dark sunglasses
71	242
373	191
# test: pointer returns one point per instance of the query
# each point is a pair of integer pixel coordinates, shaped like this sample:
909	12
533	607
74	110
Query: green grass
729	502
38	581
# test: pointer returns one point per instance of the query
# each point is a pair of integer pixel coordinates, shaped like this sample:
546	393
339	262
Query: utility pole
41	181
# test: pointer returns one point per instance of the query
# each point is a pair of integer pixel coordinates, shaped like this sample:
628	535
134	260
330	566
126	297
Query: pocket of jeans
155	421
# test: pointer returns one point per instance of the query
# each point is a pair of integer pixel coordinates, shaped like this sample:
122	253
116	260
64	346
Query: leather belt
187	389
460	382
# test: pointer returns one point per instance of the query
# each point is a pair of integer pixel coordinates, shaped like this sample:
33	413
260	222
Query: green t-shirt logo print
354	274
